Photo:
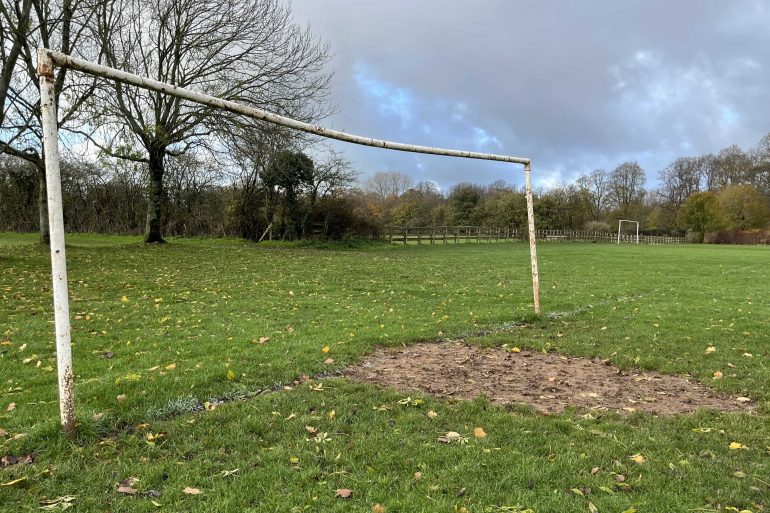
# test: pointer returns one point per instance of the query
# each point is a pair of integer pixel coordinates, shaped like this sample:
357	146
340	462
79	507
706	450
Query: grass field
160	331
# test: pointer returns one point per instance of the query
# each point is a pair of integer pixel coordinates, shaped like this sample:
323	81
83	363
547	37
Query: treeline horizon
298	198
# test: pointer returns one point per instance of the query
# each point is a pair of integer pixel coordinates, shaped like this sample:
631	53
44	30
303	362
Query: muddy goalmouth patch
547	382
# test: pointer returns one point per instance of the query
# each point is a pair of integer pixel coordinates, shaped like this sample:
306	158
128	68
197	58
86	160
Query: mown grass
173	327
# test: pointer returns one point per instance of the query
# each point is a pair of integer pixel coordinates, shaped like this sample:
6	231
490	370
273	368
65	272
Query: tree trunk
152	230
42	204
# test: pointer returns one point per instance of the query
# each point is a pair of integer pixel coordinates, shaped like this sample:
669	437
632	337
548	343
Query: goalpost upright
47	59
620	223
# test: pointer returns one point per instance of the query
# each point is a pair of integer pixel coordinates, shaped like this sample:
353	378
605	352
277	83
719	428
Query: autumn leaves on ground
208	378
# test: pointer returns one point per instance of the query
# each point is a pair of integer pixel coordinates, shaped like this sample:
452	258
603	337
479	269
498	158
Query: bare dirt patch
547	382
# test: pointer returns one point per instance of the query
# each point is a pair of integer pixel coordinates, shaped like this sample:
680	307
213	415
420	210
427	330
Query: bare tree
626	184
243	50
386	184
596	184
680	180
24	26
731	166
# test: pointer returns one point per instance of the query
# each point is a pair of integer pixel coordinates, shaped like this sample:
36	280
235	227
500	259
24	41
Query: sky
573	85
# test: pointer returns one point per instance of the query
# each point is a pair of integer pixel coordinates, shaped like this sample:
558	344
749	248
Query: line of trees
142	162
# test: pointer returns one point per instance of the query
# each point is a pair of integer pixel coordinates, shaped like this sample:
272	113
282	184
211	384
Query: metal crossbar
48	59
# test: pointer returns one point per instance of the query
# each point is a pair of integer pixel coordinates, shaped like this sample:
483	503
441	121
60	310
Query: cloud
573	85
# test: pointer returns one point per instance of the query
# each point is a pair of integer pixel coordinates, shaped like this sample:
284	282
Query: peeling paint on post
532	242
58	258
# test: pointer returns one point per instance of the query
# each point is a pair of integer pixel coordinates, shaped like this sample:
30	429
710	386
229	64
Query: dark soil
547	382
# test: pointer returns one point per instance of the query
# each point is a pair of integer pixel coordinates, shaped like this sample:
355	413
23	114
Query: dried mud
547	382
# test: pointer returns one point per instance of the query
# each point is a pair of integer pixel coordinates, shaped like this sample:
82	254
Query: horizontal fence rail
487	234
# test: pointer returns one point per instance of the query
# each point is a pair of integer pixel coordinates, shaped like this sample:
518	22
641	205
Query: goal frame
620	223
48	59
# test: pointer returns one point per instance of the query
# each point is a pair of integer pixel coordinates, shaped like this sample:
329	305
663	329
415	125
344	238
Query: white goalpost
48	59
620	223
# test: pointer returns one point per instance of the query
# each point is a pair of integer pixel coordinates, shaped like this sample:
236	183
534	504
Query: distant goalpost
48	59
620	223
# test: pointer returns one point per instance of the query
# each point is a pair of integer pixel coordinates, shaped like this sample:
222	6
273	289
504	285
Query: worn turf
199	338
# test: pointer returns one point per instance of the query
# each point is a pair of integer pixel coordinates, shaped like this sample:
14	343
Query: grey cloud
573	85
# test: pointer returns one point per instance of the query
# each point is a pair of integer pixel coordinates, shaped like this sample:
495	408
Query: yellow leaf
515	350
718	375
479	432
11	407
192	491
230	375
432	414
638	458
293	460
735	446
711	349
332	414
156	504
378	508
14	482
170	366
124	299
325	349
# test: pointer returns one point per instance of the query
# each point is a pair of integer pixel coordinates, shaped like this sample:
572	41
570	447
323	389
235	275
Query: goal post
47	60
620	223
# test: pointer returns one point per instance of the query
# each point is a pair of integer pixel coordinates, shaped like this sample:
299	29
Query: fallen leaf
718	375
230	375
418	475
128	490
479	432
515	350
264	340
124	299
432	414
329	361
343	493
156	504
735	446
711	349
62	503
451	436
638	458
192	491
14	482
293	460
121	398
11	407
311	430
332	414
594	470
592	508
170	367
743	400
378	508
325	349
3	432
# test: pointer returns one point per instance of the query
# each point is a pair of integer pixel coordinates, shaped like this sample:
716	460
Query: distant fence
479	234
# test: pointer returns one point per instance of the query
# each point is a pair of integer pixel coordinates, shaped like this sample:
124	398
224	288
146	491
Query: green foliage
743	207
701	213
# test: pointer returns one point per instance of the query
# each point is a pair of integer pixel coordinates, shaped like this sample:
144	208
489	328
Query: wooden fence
483	234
